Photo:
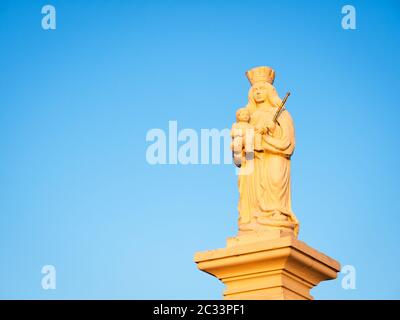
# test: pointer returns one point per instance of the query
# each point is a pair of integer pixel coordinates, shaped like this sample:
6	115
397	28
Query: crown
261	74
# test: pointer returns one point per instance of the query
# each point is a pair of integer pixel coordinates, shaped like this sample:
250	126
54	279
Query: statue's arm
279	144
270	148
285	143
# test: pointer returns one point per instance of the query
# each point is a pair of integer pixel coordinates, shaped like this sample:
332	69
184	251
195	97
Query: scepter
275	119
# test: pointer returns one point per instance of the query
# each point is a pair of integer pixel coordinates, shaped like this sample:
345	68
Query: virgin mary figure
265	200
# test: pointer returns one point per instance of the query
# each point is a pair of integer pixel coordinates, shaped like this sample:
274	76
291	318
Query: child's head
242	115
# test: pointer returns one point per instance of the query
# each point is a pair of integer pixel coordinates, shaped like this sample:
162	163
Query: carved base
273	221
253	237
267	266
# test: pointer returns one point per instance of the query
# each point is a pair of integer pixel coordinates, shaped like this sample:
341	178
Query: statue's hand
261	130
271	127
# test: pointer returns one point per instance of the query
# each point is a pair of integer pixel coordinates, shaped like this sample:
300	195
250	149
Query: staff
275	119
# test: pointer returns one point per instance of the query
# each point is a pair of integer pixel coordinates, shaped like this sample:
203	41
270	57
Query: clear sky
77	102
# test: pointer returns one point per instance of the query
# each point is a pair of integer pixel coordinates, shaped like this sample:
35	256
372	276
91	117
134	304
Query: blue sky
77	102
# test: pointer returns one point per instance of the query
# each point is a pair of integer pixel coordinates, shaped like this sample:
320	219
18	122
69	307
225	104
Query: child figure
239	137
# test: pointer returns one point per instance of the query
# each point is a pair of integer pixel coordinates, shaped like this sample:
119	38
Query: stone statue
265	260
262	148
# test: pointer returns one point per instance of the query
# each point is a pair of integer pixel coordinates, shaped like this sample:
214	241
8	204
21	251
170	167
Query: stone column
267	266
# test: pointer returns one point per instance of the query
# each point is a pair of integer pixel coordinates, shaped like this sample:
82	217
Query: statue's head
242	115
262	90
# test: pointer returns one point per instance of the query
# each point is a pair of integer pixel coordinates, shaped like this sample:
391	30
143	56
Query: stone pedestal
267	266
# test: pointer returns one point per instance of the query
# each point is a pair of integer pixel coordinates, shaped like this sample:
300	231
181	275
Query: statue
263	143
265	260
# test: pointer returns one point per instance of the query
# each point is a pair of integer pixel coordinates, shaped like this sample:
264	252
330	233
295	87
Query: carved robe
266	190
